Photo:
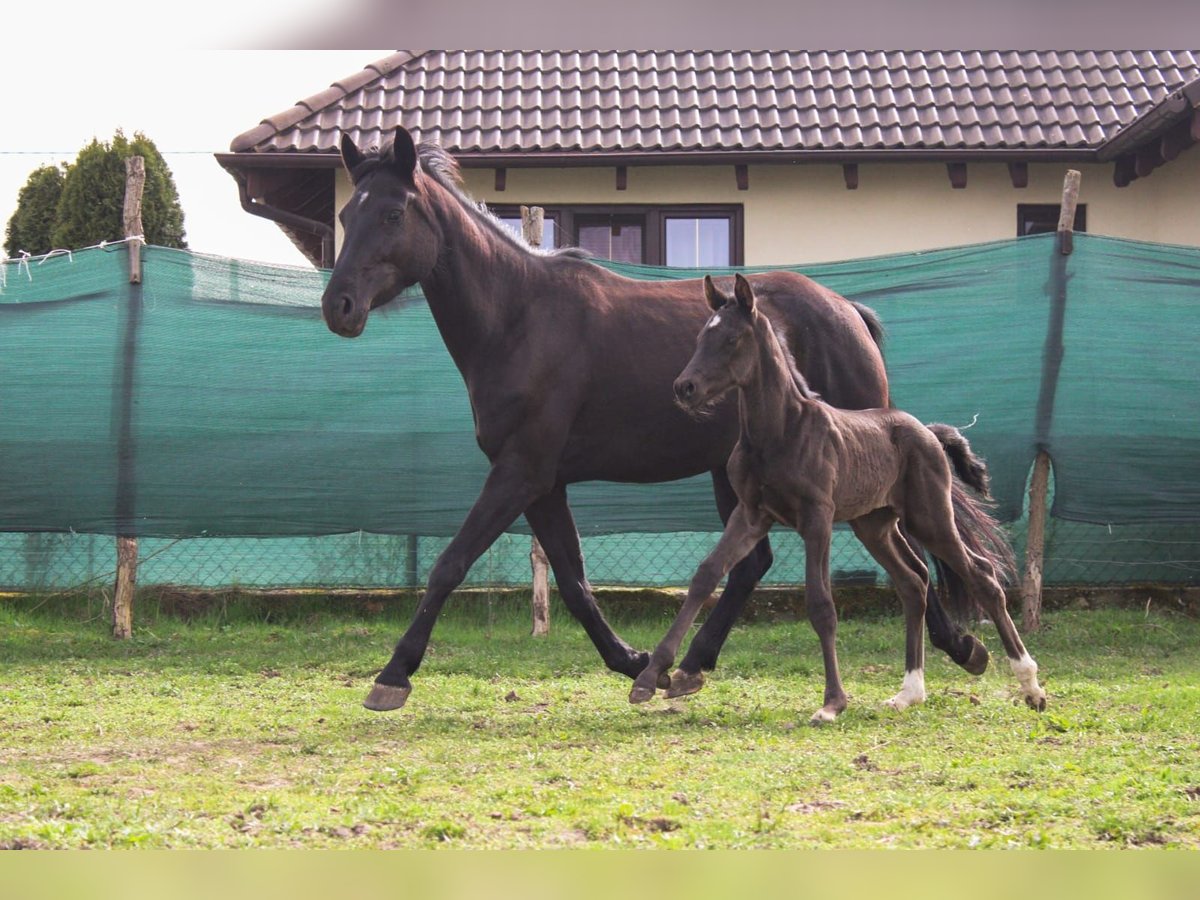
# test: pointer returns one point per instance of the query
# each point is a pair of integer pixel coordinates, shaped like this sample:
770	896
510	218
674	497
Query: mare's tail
979	531
871	320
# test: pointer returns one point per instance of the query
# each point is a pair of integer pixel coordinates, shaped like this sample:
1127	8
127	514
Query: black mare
802	463
569	369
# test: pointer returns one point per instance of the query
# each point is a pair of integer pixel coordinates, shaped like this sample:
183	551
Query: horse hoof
977	662
384	697
664	681
823	716
684	683
640	694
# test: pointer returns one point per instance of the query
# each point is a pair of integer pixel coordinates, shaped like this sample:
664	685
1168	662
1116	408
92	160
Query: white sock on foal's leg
912	690
1026	671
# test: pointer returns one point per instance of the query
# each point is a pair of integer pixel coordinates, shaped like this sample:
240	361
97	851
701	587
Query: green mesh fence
210	412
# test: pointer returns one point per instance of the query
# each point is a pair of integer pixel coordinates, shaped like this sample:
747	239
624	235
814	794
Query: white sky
74	70
190	102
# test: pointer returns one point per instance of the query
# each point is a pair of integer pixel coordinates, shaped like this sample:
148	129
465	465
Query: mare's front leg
817	532
744	529
506	492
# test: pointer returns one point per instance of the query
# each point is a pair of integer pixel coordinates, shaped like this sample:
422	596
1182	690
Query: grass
243	727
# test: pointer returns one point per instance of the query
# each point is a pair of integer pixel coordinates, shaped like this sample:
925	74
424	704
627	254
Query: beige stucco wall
804	213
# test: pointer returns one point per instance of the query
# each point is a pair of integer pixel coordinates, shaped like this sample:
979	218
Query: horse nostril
684	389
347	306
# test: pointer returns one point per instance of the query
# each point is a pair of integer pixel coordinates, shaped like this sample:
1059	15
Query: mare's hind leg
551	520
706	645
744	530
910	577
984	586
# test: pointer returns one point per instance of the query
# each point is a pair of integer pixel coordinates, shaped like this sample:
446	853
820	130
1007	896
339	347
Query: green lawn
243	728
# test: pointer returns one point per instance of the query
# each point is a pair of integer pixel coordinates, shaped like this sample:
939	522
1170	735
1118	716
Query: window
1042	218
617	237
690	236
697	242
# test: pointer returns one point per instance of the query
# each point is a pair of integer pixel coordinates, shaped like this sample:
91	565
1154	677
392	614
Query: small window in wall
1042	218
698	242
621	238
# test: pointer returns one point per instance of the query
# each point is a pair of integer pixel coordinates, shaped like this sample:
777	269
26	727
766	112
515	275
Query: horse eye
394	216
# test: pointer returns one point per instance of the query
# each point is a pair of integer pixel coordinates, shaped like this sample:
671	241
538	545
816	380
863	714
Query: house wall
804	213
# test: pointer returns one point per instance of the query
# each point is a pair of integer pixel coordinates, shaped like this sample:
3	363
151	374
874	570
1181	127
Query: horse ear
743	293
714	297
405	153
351	156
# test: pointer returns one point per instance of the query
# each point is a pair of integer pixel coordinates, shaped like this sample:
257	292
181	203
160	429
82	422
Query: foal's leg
710	638
744	530
551	520
910	577
818	601
505	494
979	575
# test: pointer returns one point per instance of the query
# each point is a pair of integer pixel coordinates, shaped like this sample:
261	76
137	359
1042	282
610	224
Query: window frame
1041	213
654	216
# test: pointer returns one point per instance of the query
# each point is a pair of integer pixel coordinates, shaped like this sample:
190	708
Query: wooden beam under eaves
742	174
1177	139
1123	170
1018	173
501	179
850	174
1147	159
958	175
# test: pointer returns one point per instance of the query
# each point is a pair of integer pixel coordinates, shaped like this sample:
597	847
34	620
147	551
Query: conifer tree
93	196
30	227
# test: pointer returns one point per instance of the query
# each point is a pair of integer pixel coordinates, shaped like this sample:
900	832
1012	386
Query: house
759	158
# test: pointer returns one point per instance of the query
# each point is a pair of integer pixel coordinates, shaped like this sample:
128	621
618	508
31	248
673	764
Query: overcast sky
74	70
191	103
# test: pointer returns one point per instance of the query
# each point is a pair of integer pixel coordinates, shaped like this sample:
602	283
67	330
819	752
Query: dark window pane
698	242
614	238
1042	218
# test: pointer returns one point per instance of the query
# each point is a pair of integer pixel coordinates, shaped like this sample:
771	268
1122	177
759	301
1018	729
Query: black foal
805	464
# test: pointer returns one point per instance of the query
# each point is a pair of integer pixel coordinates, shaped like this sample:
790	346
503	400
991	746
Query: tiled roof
496	102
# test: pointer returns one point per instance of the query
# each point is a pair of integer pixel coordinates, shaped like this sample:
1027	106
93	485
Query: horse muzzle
688	397
343	316
685	391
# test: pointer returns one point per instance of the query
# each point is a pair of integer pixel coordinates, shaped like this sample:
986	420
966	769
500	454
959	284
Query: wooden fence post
1035	541
532	218
127	544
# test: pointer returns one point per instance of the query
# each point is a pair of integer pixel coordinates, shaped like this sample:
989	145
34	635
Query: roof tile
475	101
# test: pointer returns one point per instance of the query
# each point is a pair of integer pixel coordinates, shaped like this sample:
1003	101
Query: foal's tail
967	466
980	532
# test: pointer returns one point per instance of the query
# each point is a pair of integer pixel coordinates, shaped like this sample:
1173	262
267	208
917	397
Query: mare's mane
445	170
789	362
794	370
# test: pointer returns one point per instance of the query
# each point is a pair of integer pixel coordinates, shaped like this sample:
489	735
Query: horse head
724	348
389	242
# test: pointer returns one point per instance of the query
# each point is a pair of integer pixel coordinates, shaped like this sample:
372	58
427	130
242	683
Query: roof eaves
1151	124
273	125
603	158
